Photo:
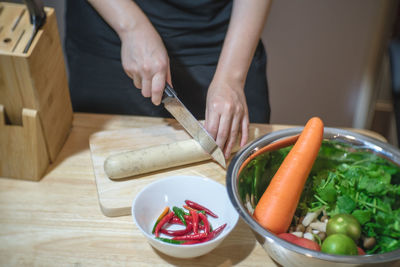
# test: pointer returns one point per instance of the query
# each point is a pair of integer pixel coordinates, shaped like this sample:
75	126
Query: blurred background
327	58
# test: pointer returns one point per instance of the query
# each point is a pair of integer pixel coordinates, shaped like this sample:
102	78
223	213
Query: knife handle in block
154	158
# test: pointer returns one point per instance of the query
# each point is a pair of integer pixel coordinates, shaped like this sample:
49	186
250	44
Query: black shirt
193	31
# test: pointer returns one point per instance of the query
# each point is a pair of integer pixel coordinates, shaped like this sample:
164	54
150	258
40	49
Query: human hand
227	115
145	60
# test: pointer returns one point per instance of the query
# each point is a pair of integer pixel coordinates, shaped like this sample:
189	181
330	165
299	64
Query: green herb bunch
362	184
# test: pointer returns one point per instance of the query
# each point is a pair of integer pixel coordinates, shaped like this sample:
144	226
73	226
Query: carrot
276	207
270	147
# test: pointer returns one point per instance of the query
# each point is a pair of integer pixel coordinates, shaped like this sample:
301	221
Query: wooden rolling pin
159	157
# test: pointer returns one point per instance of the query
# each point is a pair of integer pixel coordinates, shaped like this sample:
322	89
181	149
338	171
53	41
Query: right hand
145	60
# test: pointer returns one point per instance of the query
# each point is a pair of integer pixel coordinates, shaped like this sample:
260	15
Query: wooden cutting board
116	196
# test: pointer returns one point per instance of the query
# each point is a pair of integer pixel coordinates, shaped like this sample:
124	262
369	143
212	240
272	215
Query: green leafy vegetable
343	180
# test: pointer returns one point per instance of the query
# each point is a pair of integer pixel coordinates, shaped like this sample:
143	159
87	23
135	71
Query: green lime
339	244
344	224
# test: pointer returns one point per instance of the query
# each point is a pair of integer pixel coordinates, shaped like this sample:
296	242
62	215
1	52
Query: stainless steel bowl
289	254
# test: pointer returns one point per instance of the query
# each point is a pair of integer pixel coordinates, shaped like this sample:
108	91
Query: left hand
227	115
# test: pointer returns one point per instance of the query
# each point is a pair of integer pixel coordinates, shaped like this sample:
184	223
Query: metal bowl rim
347	136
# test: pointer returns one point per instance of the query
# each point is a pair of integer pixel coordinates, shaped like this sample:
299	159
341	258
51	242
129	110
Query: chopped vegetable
275	210
318	225
298	234
310	217
309	236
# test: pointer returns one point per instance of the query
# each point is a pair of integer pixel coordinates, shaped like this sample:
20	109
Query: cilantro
363	216
362	184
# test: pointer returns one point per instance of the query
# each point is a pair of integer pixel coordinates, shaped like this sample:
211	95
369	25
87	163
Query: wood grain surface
115	196
23	153
58	222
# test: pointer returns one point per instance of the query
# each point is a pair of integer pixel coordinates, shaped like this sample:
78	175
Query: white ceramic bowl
173	191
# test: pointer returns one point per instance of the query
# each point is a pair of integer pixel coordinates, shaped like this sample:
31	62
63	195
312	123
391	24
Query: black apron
193	33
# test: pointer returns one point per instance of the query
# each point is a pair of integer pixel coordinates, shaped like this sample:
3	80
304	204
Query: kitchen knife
37	18
192	126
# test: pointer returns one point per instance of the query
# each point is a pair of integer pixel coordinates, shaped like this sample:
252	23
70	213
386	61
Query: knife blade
192	125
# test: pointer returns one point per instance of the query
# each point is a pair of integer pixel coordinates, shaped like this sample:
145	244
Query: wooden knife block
35	106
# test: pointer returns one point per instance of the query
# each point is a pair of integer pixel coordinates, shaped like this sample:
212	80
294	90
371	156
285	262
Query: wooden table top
57	221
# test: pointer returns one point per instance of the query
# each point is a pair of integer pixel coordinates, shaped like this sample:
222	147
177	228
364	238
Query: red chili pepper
215	233
189	208
163	221
163	213
188	229
195	217
191	237
200	207
176	220
210	236
205	221
188	217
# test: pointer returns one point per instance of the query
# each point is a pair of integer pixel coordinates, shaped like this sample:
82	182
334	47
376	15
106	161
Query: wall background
317	54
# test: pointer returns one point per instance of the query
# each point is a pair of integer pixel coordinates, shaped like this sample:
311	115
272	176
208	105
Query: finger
158	85
232	136
146	87
213	124
223	130
207	123
245	130
137	81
